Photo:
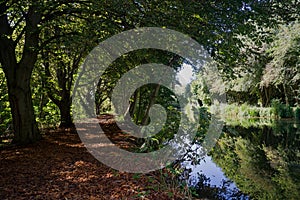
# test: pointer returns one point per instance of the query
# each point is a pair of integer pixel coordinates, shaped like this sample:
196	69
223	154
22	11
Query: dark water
253	162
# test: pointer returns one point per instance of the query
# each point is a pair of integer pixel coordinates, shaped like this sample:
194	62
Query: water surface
248	162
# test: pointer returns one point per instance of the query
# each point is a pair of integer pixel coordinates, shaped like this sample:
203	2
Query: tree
283	69
18	70
61	59
20	42
243	54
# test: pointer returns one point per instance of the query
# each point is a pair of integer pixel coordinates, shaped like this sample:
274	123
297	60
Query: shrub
232	110
288	112
266	112
244	111
253	112
280	110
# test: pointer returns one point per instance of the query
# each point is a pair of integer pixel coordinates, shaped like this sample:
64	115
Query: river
249	161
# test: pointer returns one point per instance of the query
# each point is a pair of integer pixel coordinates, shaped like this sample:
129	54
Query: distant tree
283	69
61	59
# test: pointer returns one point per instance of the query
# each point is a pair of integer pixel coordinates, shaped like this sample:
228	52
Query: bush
280	110
254	112
244	111
288	112
266	112
231	110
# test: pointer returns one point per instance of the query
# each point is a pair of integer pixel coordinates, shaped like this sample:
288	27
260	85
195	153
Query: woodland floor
60	167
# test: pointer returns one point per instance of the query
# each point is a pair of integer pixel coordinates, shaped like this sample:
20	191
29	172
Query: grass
277	110
247	115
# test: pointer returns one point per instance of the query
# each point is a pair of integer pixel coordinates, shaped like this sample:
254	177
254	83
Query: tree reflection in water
257	162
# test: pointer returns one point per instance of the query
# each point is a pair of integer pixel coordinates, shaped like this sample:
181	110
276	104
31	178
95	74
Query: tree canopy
254	45
43	43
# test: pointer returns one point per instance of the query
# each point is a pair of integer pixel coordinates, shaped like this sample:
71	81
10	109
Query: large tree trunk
18	74
66	120
24	124
65	102
64	105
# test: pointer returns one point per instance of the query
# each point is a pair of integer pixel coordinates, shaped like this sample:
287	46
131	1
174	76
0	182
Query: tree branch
48	41
30	51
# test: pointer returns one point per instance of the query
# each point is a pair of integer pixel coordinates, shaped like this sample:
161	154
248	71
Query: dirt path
59	167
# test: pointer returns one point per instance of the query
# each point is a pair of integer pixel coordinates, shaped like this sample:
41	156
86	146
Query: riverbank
236	111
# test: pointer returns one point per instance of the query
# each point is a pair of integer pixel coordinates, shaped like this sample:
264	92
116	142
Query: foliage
255	45
201	90
5	116
283	70
56	32
248	112
171	125
245	110
280	110
263	63
46	112
263	168
204	121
